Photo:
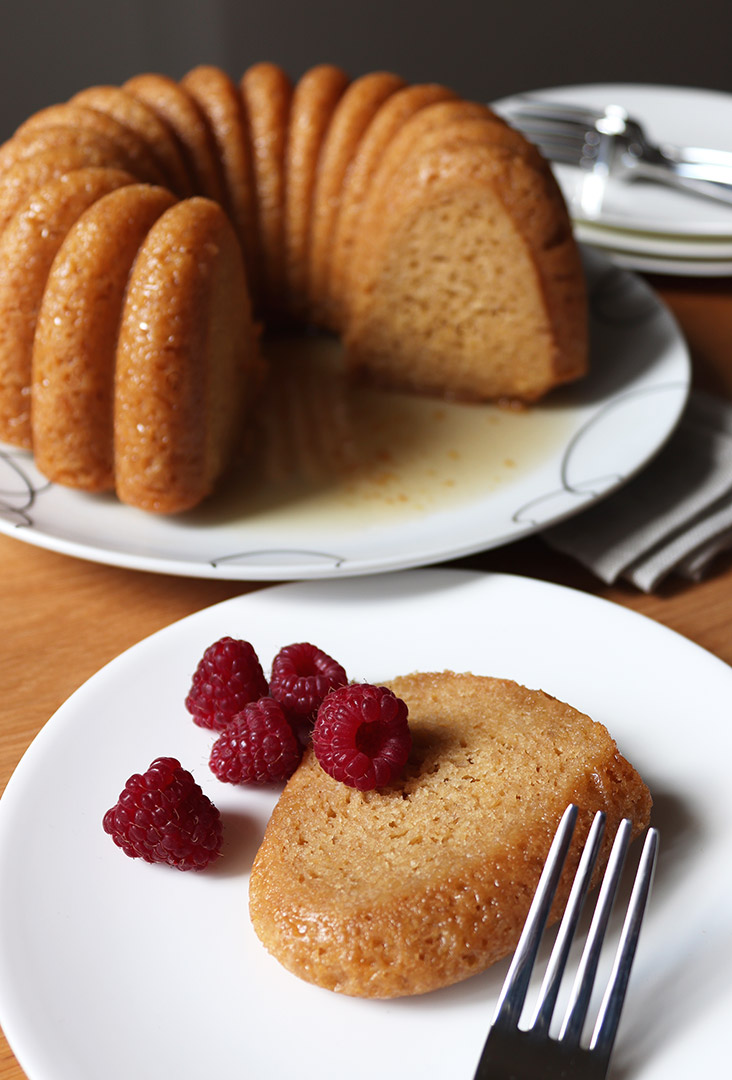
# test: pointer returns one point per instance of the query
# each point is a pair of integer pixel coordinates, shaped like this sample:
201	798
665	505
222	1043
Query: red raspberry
164	816
362	736
301	676
258	747
227	678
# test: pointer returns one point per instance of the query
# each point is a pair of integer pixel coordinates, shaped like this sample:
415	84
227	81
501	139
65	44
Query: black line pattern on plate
615	298
16	502
242	557
19	493
591	488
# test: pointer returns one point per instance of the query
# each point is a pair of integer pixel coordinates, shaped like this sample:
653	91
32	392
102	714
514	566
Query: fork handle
694	178
718	161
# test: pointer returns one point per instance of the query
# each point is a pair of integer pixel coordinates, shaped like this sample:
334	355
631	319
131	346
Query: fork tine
608	1017
561	150
564	143
511	1052
551	129
537	108
544	1010
571	1028
513	992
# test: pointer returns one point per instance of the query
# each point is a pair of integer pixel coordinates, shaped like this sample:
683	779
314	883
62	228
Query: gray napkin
674	517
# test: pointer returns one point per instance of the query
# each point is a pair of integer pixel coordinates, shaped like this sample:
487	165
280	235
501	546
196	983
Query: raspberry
362	736
302	675
258	747
164	816
227	678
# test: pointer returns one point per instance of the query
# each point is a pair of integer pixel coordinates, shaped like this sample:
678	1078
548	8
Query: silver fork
611	142
512	1052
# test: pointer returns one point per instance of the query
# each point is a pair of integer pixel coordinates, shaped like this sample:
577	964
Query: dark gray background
483	50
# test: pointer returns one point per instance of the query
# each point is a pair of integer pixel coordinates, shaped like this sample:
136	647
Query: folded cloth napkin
674	517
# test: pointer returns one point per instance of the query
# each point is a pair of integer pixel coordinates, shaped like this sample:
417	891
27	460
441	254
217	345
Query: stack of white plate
648	226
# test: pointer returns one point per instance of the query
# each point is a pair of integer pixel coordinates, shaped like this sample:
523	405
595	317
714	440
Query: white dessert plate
113	968
637	251
638	243
680	115
651	264
345	482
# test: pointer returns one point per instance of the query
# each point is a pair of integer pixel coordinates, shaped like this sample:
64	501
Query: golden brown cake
389	119
143	121
76	337
314	98
421	884
511	289
432	119
220	103
351	118
419	227
28	144
20	180
267	94
176	108
28	246
187	360
138	154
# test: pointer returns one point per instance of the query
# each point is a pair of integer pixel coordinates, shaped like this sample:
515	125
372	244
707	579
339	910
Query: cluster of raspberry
359	734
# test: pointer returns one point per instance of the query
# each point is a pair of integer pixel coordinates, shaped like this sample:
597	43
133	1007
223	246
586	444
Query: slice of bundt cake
427	881
267	94
351	118
314	99
75	342
187	360
220	103
176	108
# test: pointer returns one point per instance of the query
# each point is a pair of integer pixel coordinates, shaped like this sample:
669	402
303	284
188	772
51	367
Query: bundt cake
147	231
427	881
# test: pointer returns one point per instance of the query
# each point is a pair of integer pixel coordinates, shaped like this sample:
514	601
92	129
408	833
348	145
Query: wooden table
62	619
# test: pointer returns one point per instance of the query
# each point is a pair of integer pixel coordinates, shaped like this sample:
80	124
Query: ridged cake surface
418	227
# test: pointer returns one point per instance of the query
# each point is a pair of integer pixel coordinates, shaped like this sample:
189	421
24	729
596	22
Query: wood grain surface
61	618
